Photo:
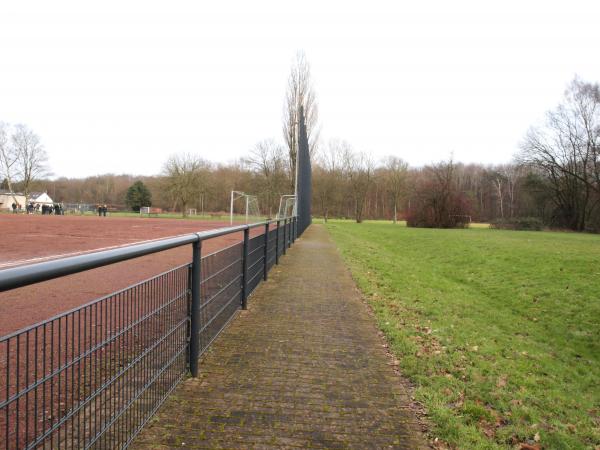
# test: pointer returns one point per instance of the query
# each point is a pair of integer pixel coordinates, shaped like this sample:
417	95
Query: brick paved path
303	367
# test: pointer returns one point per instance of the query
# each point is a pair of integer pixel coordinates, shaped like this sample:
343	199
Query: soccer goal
150	211
192	212
244	205
287	206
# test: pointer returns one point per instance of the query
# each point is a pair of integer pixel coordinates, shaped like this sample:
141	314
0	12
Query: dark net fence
304	177
92	377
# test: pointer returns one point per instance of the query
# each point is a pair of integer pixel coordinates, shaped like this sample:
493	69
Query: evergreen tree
138	195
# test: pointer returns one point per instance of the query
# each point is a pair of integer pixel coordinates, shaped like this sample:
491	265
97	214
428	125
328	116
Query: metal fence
93	376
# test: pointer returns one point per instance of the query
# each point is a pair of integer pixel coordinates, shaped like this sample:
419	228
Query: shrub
518	223
437	201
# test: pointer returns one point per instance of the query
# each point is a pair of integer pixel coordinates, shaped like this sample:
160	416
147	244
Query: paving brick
303	367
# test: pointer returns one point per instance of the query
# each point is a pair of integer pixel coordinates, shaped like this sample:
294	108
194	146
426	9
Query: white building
8	198
40	198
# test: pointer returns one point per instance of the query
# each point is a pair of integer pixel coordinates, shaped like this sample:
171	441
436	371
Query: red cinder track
34	238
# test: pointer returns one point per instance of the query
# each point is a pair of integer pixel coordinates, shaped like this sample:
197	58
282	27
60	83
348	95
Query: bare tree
358	169
300	92
498	180
8	158
513	174
184	179
327	182
395	174
31	156
437	200
567	149
267	159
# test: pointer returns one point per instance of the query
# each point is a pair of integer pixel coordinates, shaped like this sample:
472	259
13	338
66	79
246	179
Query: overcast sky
117	86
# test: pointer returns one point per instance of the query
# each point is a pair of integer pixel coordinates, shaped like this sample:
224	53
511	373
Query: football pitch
498	330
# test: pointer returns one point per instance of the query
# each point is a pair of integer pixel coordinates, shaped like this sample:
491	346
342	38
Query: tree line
555	176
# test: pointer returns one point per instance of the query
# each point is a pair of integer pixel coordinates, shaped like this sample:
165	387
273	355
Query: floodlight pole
231	210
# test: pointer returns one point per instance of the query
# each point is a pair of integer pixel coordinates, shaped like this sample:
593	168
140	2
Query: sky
118	86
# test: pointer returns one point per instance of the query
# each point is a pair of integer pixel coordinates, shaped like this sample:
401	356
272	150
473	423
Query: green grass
499	330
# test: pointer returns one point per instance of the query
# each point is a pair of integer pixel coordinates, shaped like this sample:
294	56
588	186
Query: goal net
244	207
192	212
287	206
150	211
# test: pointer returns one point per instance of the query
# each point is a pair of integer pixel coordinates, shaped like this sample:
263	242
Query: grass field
499	330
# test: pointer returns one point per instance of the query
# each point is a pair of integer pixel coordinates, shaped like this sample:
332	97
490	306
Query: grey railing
93	376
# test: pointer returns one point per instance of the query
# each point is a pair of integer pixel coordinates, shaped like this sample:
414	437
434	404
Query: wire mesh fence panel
256	262
220	293
92	377
272	249
281	240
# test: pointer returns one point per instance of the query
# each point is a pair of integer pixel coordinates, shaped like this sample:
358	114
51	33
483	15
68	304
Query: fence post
266	264
245	269
284	235
293	230
195	309
277	243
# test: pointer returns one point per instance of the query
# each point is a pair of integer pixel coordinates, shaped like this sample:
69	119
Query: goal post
246	203
144	210
287	206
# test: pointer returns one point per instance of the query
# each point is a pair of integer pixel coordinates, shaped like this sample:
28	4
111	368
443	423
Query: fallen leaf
529	447
502	381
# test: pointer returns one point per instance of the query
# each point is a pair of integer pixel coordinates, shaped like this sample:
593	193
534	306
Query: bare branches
395	176
31	156
185	179
8	158
268	160
358	168
22	156
566	148
300	92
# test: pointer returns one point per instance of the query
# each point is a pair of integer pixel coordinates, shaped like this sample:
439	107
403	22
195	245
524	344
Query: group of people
102	209
56	208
